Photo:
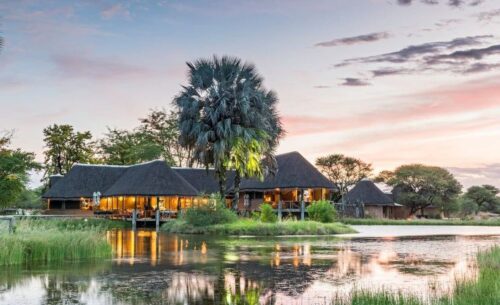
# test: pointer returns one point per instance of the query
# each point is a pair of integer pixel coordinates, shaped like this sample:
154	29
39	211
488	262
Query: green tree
123	147
343	171
419	186
65	147
163	128
485	197
224	105
467	206
15	166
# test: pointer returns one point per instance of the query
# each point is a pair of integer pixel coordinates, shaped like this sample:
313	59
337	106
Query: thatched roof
368	193
204	180
294	171
154	178
83	180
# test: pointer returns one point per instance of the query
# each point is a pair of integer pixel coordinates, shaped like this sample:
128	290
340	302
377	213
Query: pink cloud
77	66
436	103
115	10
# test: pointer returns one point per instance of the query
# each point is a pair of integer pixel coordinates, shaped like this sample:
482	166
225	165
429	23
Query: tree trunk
236	198
222	184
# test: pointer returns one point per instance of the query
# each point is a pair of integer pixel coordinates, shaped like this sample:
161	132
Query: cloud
115	10
478	175
463	99
372	37
480	67
488	16
354	82
389	71
322	87
452	3
413	51
76	66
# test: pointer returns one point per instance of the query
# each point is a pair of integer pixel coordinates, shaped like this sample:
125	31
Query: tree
65	147
485	197
163	128
122	147
384	176
15	166
343	171
419	186
223	106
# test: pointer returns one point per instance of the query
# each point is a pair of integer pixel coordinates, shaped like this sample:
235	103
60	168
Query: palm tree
223	109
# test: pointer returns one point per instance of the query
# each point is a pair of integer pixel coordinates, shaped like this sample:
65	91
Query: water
151	268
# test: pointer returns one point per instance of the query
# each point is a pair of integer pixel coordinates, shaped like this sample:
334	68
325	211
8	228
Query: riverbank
483	290
421	222
258	228
43	241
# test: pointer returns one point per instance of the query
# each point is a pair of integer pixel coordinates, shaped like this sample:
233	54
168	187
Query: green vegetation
15	166
87	224
483	291
420	186
56	240
321	211
343	171
212	213
429	222
52	247
267	213
223	109
258	228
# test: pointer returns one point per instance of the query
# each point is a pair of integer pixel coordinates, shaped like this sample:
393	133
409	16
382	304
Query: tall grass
258	228
429	222
52	247
92	224
485	290
41	241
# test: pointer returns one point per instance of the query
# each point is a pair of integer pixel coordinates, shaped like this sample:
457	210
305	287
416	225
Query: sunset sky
388	81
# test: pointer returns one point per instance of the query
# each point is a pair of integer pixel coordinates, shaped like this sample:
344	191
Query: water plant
321	211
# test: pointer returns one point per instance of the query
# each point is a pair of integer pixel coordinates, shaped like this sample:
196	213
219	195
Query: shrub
321	211
214	212
267	213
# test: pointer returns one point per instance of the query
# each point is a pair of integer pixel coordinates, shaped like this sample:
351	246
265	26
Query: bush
214	212
321	211
267	213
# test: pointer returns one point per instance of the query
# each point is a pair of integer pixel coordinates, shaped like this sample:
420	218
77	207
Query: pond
151	268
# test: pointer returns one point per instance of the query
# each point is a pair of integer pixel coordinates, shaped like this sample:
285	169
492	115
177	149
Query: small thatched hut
377	203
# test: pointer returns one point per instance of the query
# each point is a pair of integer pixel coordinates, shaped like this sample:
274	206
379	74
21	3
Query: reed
258	228
82	224
421	222
52	247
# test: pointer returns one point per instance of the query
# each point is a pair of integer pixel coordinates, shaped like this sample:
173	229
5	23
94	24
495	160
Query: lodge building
155	185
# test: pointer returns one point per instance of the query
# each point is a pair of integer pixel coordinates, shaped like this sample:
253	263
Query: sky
390	82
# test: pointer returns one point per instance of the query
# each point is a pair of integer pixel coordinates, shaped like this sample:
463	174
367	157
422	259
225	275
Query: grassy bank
52	246
93	224
428	222
44	241
258	228
485	290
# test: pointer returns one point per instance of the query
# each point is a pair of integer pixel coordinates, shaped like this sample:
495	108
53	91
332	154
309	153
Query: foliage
421	222
343	171
37	224
65	147
30	199
485	197
15	165
51	246
125	147
467	206
267	213
163	128
224	103
214	212
419	186
321	211
258	228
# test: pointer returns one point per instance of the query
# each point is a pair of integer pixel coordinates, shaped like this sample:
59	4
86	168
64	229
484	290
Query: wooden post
157	220
280	212
134	215
12	224
302	205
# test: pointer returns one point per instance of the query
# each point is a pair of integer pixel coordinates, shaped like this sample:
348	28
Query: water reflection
152	268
